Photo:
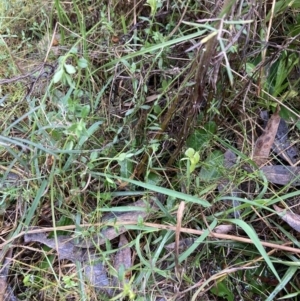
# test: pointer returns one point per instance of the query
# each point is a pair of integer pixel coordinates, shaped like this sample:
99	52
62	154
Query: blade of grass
285	279
157	47
197	242
151	187
35	203
253	236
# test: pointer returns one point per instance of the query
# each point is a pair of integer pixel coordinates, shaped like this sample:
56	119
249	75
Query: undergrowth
104	103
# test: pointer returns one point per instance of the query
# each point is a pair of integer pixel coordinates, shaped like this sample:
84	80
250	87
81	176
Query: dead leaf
282	145
282	175
291	218
139	209
224	229
85	251
65	246
123	260
6	293
95	272
132	215
177	233
183	244
265	142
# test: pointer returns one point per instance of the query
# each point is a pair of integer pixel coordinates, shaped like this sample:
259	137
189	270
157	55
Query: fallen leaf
123	260
282	175
265	142
65	246
109	233
85	251
291	218
95	272
6	293
183	244
224	229
282	145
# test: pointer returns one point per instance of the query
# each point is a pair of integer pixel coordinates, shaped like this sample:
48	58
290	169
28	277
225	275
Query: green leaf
153	178
221	290
58	75
157	47
126	168
68	79
70	68
212	166
190	152
200	138
82	63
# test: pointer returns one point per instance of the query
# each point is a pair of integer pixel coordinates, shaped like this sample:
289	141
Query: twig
158	227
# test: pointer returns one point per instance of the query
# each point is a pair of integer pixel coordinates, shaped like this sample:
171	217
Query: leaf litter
282	146
274	138
85	251
265	142
291	218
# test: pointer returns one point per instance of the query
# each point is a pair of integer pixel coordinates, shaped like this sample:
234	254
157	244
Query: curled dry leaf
265	142
177	232
291	218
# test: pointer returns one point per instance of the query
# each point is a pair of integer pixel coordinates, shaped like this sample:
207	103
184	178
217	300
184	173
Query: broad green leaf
154	178
58	75
82	63
201	138
212	166
126	167
70	68
67	79
221	290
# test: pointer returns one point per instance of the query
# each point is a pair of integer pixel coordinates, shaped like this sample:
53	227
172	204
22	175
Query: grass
108	102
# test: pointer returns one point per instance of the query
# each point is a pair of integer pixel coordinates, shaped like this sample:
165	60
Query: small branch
158	227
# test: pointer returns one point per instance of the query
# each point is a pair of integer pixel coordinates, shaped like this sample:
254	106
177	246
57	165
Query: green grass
130	107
